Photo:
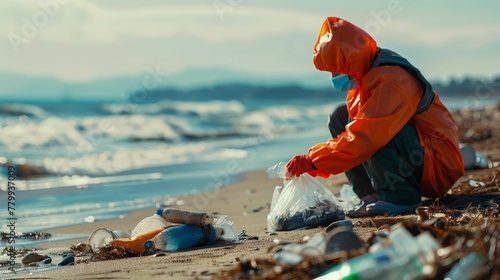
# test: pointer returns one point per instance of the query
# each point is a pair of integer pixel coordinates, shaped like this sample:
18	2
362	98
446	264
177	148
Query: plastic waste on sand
182	237
148	228
472	158
404	259
136	243
103	236
348	198
320	244
143	231
150	223
179	216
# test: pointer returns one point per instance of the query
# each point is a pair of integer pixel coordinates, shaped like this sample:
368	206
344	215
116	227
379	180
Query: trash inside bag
302	202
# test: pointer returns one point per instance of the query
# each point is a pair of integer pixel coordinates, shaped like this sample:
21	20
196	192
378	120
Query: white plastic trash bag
302	202
348	198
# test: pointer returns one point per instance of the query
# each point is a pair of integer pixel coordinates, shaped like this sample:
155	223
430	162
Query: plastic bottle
179	216
404	260
469	267
182	237
150	223
136	243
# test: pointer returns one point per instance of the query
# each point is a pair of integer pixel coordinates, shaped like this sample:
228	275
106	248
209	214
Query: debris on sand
468	240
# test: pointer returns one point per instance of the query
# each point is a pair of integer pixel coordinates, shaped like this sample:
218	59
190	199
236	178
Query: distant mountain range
197	83
19	87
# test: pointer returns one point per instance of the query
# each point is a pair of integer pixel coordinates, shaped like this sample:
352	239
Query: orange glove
303	164
300	164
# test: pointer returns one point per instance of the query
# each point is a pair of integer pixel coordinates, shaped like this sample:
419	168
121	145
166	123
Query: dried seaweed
486	183
110	252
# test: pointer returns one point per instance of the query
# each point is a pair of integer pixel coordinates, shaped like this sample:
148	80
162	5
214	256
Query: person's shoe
383	207
360	210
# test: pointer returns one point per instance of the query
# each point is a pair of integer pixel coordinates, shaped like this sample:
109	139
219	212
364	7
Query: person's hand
300	164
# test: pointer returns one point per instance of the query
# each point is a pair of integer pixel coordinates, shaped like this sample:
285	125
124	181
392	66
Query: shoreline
246	203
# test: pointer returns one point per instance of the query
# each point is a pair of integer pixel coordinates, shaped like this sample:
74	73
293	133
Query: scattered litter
343	223
348	198
169	229
179	216
441	243
35	235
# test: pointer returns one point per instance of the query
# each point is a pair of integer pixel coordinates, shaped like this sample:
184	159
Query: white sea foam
85	133
103	145
203	109
131	158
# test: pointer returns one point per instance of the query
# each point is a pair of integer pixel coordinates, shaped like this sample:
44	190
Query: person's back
443	164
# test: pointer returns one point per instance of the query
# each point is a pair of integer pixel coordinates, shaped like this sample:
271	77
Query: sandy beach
247	205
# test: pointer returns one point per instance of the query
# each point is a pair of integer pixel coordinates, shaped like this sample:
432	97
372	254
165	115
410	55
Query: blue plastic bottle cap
159	211
383	259
148	244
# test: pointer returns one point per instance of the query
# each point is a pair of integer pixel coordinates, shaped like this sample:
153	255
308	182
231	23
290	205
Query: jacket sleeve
386	101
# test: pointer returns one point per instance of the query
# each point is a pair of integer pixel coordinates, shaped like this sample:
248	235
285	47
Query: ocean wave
121	159
15	109
85	133
206	110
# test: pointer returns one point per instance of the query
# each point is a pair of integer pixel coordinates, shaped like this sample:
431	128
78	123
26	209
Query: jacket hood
344	48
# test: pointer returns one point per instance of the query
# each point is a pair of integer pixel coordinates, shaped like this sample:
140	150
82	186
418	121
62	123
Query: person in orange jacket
394	138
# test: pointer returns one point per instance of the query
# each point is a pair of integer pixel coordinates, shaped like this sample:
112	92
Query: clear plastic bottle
150	223
182	237
404	259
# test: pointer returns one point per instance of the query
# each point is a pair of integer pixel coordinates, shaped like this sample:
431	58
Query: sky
80	41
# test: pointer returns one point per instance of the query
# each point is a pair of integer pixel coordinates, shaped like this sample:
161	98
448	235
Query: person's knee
338	120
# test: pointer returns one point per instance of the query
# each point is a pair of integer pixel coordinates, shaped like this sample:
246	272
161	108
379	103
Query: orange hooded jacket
384	101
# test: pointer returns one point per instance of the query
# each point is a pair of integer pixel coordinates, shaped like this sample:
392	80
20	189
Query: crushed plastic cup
103	236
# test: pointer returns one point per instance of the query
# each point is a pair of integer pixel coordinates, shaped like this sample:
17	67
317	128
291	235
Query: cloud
84	40
472	35
82	21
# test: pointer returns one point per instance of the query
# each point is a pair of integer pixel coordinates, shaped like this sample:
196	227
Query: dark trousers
394	172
